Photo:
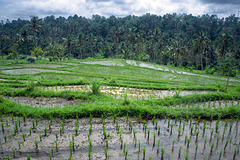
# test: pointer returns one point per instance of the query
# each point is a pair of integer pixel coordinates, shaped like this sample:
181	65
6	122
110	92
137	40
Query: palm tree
69	41
116	39
178	48
225	42
37	52
2	46
24	38
15	53
35	26
156	37
51	49
132	37
80	41
200	44
60	50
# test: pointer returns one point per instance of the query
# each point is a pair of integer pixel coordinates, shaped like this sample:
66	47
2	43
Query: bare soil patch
29	71
106	63
162	68
43	65
46	102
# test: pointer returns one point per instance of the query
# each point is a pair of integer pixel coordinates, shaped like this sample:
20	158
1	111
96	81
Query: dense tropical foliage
199	42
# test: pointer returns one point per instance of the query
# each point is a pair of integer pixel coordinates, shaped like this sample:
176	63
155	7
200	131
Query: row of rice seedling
156	137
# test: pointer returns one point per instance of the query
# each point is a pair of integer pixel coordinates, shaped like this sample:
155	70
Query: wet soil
211	143
132	93
29	71
43	65
162	68
46	102
106	63
213	104
32	65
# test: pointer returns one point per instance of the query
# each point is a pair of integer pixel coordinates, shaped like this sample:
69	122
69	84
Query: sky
14	9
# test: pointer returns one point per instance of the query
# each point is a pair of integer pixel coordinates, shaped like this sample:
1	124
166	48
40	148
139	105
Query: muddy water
46	102
133	93
166	135
32	65
106	63
213	104
29	71
162	68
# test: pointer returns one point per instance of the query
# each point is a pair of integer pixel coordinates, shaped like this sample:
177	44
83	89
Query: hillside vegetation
196	42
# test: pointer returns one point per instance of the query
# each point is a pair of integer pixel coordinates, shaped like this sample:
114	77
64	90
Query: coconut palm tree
200	44
24	38
15	53
226	41
155	39
35	26
116	39
81	42
51	50
132	37
178	49
2	46
69	41
38	52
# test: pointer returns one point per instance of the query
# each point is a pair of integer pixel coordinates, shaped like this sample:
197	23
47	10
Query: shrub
30	86
209	70
126	100
95	86
112	80
177	93
191	68
233	72
238	88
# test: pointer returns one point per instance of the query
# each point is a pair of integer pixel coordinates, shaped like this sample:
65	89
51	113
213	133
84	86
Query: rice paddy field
116	109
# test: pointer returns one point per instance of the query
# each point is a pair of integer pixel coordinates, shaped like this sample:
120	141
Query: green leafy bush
30	86
225	70
95	87
112	80
233	72
191	68
126	100
209	70
238	88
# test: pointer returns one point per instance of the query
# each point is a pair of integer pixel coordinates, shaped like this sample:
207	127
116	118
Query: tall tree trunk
206	60
228	75
177	60
201	61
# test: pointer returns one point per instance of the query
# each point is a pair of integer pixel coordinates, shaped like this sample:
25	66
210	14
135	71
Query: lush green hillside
196	42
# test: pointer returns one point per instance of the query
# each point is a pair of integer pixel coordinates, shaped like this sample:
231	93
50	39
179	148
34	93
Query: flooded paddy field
132	93
105	63
119	138
32	65
29	71
167	69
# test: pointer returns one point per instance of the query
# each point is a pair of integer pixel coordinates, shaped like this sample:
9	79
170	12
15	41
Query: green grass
120	76
110	108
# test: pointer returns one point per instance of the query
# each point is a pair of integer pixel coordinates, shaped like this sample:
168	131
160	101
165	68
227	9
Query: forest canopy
197	42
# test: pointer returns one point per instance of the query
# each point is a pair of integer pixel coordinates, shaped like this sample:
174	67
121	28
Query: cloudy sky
14	9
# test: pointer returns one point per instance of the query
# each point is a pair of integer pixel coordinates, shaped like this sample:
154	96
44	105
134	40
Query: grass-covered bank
111	108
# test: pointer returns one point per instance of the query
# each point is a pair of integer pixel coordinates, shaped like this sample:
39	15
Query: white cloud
14	9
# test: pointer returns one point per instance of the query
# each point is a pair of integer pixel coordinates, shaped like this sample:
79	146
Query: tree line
199	42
